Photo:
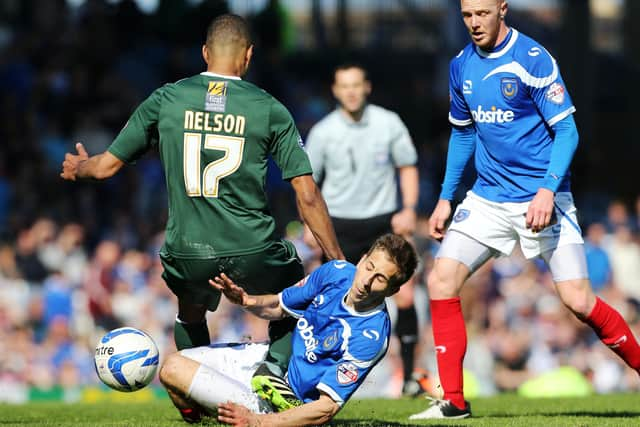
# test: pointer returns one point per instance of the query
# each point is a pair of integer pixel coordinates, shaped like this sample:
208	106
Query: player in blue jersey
342	331
509	106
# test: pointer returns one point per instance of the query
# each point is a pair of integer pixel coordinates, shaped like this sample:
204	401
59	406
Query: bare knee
170	370
434	282
446	278
577	296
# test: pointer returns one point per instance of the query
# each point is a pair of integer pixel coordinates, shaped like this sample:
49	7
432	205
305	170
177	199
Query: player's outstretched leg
605	321
197	389
615	333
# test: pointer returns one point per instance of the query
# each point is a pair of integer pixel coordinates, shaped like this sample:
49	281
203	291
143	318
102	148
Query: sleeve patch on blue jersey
347	373
555	93
302	282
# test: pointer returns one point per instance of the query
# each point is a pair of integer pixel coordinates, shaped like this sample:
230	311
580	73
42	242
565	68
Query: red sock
190	415
450	338
614	332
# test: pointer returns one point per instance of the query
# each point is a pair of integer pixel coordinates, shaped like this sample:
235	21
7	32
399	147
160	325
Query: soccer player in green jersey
214	132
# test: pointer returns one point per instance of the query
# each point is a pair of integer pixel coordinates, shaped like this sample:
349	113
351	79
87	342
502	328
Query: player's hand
403	223
237	415
438	219
233	292
540	210
71	161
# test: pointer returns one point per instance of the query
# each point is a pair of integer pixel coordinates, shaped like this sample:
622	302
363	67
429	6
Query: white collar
210	74
499	53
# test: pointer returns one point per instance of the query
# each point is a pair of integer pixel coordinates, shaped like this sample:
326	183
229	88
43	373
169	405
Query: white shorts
500	226
225	373
236	360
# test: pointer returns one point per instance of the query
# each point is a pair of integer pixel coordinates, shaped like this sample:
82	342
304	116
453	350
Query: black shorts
266	272
357	235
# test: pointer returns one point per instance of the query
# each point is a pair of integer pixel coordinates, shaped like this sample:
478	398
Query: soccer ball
126	359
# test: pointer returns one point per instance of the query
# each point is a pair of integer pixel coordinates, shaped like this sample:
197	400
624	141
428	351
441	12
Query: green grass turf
506	410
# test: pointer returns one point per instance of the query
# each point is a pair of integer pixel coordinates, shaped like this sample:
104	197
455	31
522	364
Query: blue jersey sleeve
545	85
459	114
344	377
461	147
295	299
565	143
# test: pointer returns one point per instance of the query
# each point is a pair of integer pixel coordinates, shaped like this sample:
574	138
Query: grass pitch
506	410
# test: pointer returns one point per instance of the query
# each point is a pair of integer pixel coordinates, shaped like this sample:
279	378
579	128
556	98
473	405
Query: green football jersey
214	134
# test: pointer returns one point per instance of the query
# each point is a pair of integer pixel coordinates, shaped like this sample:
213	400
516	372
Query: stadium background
78	259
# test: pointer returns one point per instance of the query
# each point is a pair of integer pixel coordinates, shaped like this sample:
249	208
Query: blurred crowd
57	297
77	260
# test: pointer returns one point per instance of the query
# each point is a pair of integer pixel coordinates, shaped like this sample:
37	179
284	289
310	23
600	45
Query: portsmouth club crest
216	99
330	341
509	87
461	215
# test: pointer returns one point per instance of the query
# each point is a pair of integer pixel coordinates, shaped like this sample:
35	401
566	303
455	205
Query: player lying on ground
342	332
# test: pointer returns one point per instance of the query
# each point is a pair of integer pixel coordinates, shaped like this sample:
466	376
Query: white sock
210	387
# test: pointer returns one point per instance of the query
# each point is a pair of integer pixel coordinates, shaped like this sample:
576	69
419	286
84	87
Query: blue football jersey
334	347
512	96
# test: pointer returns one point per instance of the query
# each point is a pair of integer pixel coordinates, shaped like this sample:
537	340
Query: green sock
280	352
190	335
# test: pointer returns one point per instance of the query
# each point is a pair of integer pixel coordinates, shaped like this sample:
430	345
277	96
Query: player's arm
461	148
404	222
134	139
100	166
565	142
556	108
564	147
318	412
264	306
315	214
